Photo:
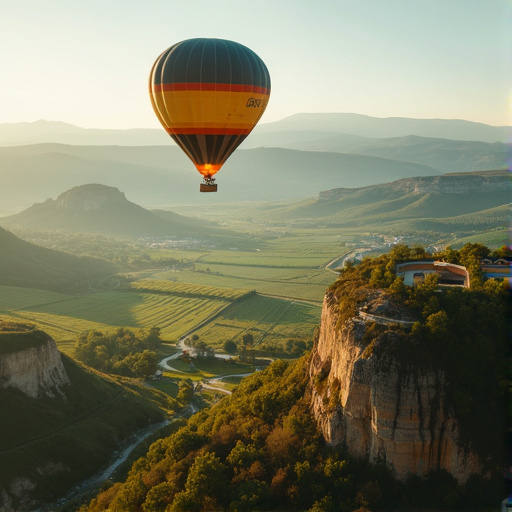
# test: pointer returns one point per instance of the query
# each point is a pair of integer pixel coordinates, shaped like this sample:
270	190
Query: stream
120	457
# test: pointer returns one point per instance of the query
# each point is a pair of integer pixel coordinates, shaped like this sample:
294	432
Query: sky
86	62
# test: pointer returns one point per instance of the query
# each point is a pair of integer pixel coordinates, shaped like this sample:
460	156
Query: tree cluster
200	347
122	352
291	348
260	449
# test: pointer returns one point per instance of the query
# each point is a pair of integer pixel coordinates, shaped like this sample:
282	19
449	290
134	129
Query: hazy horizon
263	122
87	63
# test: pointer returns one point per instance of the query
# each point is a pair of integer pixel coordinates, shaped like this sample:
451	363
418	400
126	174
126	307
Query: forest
260	448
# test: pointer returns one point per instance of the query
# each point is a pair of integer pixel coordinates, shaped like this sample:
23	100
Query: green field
275	262
208	367
289	267
64	316
305	284
270	320
186	289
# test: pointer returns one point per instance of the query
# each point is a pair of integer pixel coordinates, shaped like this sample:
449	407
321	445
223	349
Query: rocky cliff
382	407
458	183
30	362
90	197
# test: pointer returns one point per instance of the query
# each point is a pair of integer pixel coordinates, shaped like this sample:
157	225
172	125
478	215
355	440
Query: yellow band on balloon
209	109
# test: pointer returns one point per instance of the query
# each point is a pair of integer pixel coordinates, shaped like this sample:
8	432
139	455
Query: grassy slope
71	438
28	265
65	316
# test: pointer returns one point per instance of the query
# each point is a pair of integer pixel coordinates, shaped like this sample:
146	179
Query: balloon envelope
209	94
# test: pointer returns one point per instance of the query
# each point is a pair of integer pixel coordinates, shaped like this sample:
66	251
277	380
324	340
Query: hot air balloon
209	94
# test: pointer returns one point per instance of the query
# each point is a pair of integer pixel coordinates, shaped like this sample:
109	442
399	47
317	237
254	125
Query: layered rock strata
31	362
381	408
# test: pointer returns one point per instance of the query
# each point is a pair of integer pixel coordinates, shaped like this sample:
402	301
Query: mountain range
459	202
297	157
310	126
163	175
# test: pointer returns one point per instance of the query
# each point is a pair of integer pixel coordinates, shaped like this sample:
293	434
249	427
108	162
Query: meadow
65	316
215	318
270	285
271	322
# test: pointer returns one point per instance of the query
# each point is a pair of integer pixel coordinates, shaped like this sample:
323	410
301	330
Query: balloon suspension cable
208	180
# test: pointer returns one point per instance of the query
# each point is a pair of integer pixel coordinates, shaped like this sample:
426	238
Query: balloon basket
205	187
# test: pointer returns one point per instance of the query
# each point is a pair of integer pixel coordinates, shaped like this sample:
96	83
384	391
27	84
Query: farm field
287	267
277	263
65	316
305	284
186	289
270	320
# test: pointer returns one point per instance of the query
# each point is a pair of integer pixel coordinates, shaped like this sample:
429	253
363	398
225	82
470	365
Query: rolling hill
466	203
16	134
163	175
441	154
378	127
28	265
95	208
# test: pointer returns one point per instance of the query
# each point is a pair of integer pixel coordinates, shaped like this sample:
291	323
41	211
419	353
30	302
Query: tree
248	339
145	364
152	339
186	392
230	347
102	359
159	497
201	348
246	345
206	484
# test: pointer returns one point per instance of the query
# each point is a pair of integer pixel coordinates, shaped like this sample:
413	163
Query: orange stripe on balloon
198	86
208	131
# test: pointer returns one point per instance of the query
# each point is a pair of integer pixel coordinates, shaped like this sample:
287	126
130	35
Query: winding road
164	363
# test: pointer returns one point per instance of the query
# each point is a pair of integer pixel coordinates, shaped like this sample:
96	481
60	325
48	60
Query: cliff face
382	409
444	184
32	364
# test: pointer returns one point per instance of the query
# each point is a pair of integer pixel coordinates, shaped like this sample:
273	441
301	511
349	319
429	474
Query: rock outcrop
92	197
444	184
381	408
31	362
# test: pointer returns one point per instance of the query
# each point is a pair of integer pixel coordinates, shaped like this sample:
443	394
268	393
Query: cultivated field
65	316
273	261
288	267
270	320
186	289
305	284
